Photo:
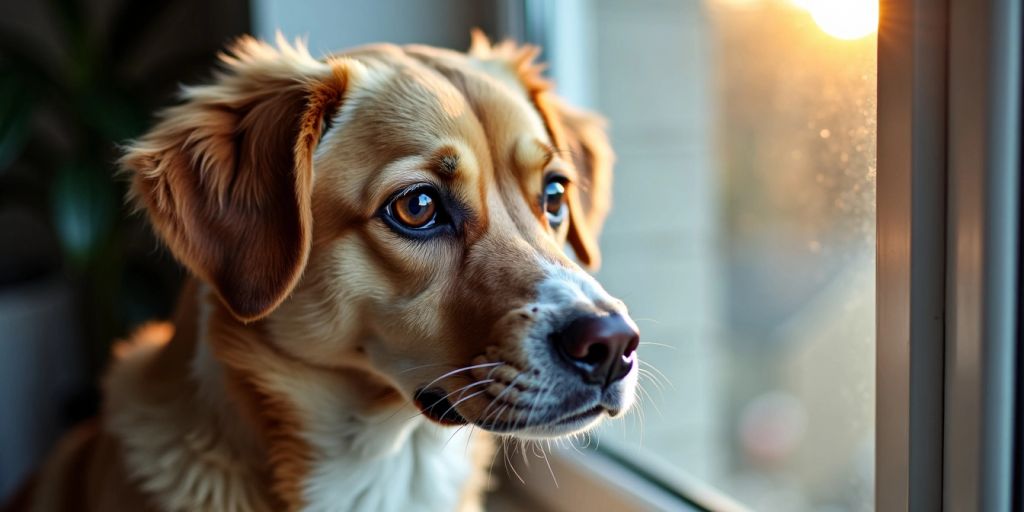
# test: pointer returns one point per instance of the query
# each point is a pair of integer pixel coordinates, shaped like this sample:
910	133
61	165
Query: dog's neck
230	423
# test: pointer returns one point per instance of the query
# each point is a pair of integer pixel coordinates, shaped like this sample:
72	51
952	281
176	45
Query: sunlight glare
844	19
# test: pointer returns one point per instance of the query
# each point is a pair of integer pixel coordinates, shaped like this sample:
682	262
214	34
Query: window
743	236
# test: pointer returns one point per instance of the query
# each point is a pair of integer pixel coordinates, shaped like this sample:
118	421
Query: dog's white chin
613	403
572	424
557	430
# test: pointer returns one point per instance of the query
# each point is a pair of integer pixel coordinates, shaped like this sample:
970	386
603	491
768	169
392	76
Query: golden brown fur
311	328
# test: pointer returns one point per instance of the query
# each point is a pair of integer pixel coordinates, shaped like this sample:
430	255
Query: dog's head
403	212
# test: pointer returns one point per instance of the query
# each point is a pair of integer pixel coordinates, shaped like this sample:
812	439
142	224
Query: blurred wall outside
662	244
331	26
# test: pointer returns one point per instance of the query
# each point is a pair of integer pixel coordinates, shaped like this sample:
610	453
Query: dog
378	243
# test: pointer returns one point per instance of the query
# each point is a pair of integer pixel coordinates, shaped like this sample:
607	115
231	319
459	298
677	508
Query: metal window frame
911	268
948	253
948	263
984	165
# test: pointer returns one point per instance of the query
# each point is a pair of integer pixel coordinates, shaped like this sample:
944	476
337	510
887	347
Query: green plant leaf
84	205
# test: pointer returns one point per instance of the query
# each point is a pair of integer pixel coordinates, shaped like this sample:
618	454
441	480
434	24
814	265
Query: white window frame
948	257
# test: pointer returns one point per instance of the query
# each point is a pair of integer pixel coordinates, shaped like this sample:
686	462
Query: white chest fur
388	463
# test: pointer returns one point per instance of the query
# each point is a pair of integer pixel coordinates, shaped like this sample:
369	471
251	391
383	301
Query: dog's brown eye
416	209
554	201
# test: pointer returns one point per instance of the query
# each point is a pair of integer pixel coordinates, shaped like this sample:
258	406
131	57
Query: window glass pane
742	238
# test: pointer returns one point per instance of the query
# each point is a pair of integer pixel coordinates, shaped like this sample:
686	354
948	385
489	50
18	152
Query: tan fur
310	324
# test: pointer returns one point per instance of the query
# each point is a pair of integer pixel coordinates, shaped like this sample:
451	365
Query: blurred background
742	235
76	270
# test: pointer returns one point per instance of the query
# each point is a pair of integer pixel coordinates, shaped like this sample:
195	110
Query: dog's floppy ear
584	135
226	176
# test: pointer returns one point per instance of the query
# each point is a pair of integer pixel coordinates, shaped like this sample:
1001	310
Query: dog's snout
600	348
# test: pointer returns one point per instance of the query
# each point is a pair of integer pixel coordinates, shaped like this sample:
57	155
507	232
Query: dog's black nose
601	348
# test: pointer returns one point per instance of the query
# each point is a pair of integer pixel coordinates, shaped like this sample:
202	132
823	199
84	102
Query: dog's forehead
408	103
405	105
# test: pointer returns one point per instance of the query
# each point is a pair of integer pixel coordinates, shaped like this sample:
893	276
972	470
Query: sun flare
844	19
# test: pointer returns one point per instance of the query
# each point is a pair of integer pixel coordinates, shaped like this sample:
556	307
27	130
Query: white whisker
652	378
512	466
463	389
450	409
655	344
659	372
420	367
445	445
652	320
463	369
497	399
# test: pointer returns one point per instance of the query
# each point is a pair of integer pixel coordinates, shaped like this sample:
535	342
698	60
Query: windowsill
598	479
